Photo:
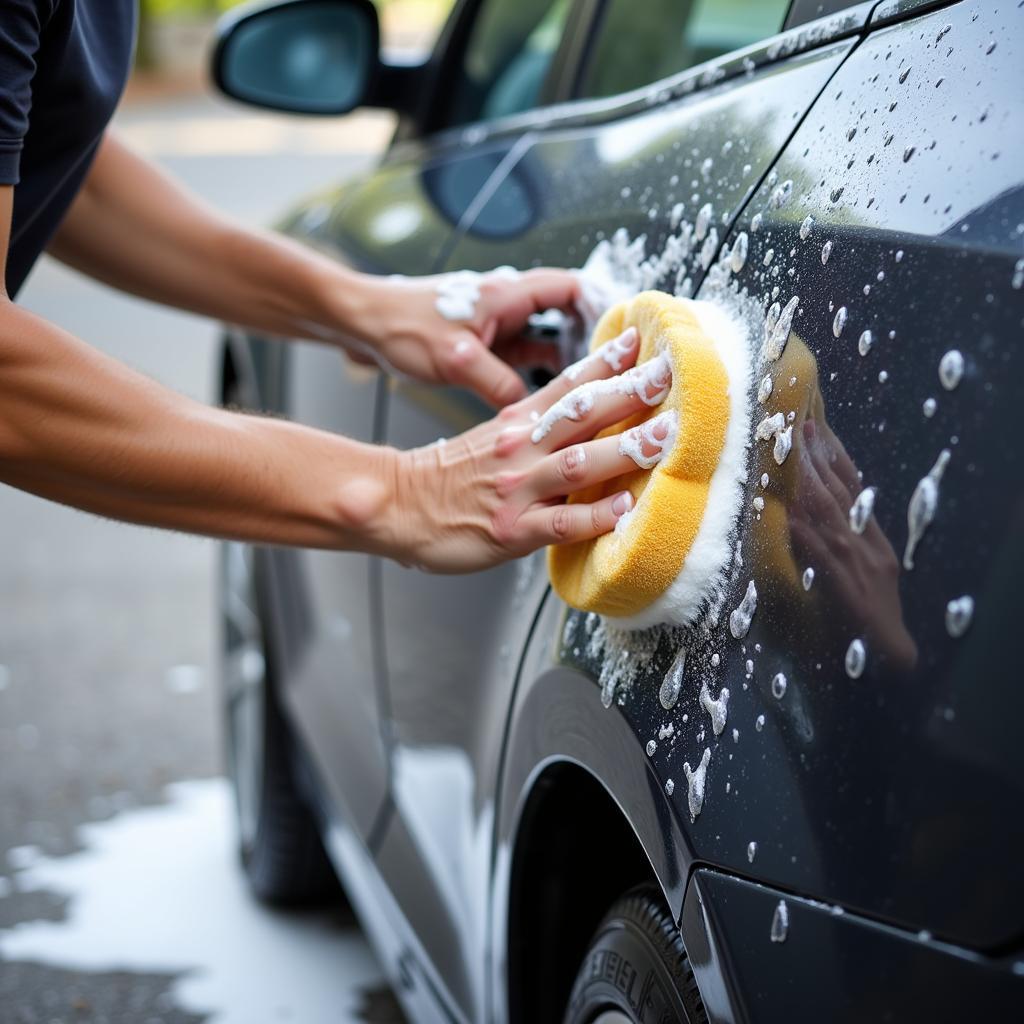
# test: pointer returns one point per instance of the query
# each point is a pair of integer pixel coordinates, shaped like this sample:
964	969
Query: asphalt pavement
120	896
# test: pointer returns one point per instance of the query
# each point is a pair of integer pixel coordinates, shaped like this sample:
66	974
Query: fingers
600	403
511	300
576	468
473	366
569	524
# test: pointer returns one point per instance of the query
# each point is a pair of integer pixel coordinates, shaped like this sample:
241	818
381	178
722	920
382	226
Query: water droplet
856	657
704	215
864	343
942	31
861	509
928	407
764	389
826	251
705	167
670	787
899	255
806	225
883	376
695	783
740	617
716	660
768	257
923	503
951	369
717	708
780	922
909	152
839	322
781	195
651	748
672	684
808	578
749	667
759	723
738	255
756	221
779	684
758	503
850	134
836	194
751	851
903	75
1018	275
764	479
626	192
959	613
991	46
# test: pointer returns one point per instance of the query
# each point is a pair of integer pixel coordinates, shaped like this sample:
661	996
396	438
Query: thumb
475	367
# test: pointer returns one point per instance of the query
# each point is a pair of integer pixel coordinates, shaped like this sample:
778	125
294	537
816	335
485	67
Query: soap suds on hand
459	292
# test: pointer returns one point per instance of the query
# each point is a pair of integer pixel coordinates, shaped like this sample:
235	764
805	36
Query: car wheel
636	970
279	841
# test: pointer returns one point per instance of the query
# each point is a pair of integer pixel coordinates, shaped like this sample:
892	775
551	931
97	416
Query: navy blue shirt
63	66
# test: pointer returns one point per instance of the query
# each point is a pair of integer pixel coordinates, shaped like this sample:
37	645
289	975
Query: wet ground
120	896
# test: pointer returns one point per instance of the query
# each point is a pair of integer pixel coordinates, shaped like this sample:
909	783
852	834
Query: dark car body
482	806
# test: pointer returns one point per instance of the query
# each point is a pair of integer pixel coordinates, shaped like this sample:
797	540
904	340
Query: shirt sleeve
21	24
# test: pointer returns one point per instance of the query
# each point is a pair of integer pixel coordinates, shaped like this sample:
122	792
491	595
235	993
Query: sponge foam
667	556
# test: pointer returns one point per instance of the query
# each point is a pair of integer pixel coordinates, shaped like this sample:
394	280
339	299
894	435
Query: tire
279	841
636	970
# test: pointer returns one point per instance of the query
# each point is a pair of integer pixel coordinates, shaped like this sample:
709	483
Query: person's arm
79	428
135	228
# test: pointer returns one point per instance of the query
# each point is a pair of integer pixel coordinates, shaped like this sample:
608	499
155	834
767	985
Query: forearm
80	428
139	231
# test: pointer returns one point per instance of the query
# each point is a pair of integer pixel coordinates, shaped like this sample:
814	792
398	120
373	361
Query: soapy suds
862	509
751	852
717	708
928	407
770	426
951	369
959	613
805	227
808	578
826	251
758	503
740	617
622	654
658	434
780	922
614	352
667	731
651	748
738	253
865	342
650	382
672	684
783	445
775	342
670	786
459	292
704	215
759	723
695	781
779	685
923	503
764	389
764	480
856	658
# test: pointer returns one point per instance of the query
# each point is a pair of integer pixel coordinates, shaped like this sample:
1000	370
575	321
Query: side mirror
302	56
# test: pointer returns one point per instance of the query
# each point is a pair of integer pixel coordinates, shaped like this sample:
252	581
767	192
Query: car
530	823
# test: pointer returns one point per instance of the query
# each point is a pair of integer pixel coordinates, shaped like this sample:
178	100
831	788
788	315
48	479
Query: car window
639	43
507	58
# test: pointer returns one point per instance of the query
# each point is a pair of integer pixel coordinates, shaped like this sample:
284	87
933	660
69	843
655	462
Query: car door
881	776
581	175
397	218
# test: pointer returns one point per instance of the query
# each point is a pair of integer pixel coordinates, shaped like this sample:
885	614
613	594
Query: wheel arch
581	818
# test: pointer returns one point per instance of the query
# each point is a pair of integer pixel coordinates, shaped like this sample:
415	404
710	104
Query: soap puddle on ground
160	889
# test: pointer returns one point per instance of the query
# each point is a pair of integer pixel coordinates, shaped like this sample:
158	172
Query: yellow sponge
665	556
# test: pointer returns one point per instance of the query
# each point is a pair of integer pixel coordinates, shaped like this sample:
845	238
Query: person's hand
464	328
498	491
860	571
